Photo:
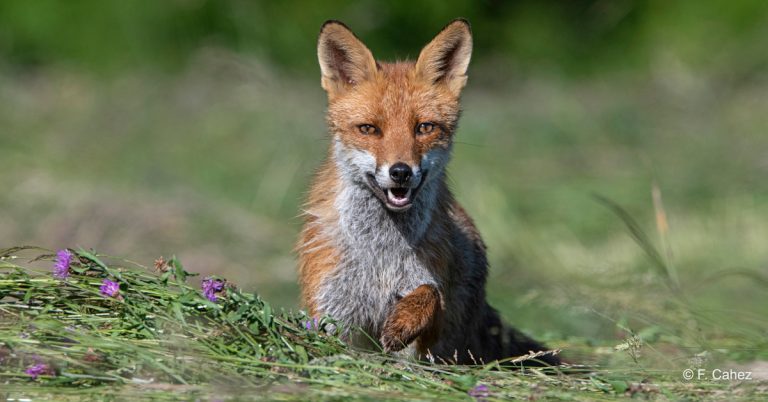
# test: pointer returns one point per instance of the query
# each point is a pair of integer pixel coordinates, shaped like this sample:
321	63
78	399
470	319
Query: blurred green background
192	127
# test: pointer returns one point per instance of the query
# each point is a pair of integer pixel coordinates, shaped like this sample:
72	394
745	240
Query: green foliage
584	36
157	327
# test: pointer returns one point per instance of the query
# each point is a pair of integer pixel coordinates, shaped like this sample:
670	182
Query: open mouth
398	196
395	198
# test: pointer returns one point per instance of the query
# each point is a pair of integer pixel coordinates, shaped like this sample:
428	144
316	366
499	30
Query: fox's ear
344	59
446	58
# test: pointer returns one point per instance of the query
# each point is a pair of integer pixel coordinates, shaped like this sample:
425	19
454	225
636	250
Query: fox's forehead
395	94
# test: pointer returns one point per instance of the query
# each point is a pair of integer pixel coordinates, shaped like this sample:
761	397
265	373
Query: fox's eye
425	128
367	129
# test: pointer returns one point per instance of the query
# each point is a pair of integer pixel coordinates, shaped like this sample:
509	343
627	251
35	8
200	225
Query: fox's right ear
344	59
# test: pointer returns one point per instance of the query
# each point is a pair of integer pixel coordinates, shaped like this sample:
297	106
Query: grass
160	337
663	271
159	329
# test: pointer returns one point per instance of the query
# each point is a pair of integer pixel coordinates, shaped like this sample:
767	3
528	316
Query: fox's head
393	123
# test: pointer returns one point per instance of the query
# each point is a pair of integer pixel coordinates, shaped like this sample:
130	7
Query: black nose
400	173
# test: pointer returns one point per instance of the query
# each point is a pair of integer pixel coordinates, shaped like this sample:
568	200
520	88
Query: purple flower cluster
312	325
479	391
38	369
61	265
212	286
109	288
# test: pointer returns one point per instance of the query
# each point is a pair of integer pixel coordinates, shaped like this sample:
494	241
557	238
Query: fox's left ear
446	58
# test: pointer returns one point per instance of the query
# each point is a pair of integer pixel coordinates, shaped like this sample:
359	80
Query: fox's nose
400	173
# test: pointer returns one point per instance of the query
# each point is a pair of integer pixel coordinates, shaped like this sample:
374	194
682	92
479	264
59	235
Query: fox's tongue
399	196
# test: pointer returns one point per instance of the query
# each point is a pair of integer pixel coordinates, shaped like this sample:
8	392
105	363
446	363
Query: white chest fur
379	262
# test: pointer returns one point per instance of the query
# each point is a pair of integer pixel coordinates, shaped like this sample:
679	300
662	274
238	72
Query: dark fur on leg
513	343
519	344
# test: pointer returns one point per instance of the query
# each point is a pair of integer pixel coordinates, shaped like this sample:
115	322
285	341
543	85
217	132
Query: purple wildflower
61	265
109	288
479	391
38	369
212	286
312	325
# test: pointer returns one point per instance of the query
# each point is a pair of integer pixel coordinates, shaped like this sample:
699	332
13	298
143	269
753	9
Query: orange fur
402	101
415	315
317	256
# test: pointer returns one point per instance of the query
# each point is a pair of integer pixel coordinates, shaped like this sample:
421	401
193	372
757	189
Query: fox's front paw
414	315
397	334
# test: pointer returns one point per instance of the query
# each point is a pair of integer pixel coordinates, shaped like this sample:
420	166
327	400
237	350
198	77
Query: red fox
385	249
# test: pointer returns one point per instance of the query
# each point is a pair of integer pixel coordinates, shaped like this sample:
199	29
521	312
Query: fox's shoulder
458	221
466	225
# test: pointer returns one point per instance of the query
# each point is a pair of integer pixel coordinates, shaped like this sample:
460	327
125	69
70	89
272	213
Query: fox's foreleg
414	316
